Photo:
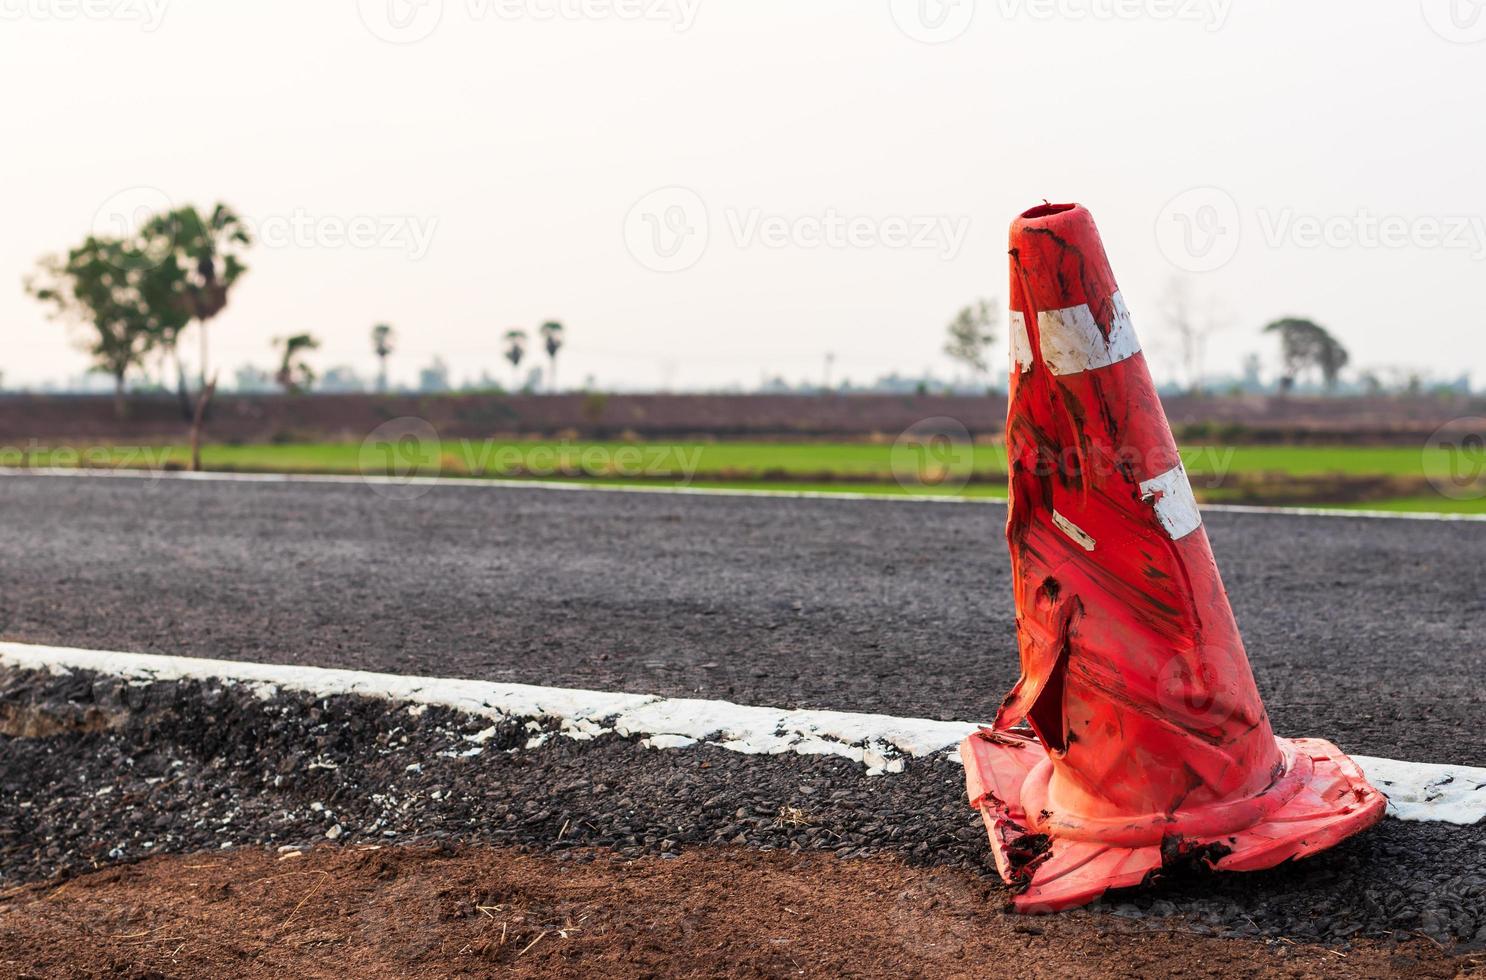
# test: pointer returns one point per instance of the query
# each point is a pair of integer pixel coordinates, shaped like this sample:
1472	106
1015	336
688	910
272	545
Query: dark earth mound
110	773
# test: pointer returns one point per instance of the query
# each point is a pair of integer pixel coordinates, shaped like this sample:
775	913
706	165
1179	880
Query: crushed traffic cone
1135	737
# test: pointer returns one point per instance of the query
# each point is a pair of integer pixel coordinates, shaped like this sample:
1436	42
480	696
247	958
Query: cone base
1051	873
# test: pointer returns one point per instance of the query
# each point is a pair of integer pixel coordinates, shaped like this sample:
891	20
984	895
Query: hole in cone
1046	713
1047	210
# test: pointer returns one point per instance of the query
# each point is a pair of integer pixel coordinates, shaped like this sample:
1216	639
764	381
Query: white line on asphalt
1416	791
486	483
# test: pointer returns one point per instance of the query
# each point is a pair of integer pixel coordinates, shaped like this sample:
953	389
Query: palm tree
210	248
294	374
204	256
515	351
383	339
551	332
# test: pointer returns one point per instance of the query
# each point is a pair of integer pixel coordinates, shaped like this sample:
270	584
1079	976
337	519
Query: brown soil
421	912
59	419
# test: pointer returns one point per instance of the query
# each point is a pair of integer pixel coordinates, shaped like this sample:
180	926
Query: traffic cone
1135	737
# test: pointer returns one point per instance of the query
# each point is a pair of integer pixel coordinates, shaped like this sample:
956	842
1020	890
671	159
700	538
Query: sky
706	192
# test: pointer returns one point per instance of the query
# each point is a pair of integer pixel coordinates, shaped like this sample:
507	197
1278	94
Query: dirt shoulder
424	912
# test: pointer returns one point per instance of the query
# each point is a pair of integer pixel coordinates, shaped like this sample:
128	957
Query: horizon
765	187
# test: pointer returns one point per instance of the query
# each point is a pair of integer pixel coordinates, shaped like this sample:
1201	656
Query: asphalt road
1368	632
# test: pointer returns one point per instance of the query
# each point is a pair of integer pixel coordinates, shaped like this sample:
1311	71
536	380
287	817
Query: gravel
95	772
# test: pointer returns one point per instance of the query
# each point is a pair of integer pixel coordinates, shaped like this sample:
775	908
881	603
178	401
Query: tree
1192	328
204	259
515	351
552	337
111	286
383	340
208	252
1334	357
1305	345
970	335
294	375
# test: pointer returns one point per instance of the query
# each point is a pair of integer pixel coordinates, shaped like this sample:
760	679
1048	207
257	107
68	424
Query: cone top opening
1046	211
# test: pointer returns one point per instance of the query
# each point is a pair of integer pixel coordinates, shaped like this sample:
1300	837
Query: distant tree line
136	295
1309	354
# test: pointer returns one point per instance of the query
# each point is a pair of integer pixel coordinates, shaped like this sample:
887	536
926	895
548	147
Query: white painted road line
485	483
1416	791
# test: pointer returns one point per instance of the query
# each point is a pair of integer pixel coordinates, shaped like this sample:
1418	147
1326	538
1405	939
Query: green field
1387	478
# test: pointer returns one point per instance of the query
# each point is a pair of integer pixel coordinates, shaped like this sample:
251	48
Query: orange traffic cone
1136	736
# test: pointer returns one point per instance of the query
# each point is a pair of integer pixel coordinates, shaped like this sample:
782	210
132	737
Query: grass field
1386	477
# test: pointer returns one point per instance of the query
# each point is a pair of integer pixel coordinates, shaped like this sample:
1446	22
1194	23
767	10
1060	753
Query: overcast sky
706	191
